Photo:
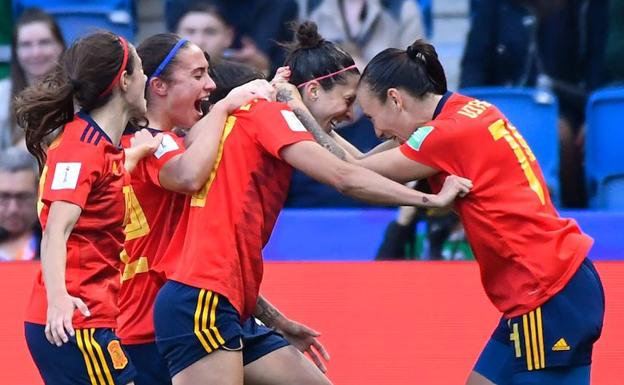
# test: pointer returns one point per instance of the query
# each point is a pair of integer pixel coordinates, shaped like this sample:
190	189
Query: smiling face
396	118
37	49
188	85
333	106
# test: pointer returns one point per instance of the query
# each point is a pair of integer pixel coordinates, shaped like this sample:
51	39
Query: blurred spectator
35	51
203	23
424	234
554	44
614	59
258	25
19	229
366	27
6	26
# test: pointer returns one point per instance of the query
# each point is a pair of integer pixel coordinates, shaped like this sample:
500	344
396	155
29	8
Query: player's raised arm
188	172
360	183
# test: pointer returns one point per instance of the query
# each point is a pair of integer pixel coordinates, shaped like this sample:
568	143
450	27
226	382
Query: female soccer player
178	84
81	208
224	226
326	77
533	262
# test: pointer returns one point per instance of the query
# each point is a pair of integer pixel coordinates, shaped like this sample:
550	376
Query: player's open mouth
202	106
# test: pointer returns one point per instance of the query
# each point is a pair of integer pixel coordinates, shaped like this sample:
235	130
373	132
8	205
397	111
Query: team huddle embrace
162	176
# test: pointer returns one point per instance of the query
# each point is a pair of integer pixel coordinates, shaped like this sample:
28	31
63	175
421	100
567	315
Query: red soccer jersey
85	168
226	225
526	252
155	212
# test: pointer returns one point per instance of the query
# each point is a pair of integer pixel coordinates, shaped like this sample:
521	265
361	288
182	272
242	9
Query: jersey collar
87	118
441	104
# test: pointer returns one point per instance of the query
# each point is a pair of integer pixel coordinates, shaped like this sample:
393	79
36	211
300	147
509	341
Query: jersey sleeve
71	173
278	127
171	146
431	146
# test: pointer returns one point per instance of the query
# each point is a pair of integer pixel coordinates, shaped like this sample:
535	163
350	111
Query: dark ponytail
86	71
417	70
228	75
310	56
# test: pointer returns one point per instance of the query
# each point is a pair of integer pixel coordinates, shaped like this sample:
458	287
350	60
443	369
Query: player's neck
112	118
158	119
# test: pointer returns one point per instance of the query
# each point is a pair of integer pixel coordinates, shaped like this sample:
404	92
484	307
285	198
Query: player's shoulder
261	106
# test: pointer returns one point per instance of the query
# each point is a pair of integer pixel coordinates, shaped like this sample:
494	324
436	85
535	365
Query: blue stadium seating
604	149
535	114
80	17
355	234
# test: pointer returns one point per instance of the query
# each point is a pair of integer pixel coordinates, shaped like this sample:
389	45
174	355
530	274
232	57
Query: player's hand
59	318
255	89
453	186
305	340
282	75
145	143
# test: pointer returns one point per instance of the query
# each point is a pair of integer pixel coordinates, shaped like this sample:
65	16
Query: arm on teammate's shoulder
394	165
355	152
189	171
364	184
143	143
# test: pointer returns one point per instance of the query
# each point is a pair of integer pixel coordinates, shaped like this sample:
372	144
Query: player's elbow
189	184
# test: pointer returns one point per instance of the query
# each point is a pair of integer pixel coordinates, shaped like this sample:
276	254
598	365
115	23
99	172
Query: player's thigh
494	365
284	366
221	367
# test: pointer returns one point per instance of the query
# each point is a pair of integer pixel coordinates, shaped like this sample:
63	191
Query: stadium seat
80	17
604	149
535	114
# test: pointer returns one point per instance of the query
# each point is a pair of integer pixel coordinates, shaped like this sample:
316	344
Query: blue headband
168	59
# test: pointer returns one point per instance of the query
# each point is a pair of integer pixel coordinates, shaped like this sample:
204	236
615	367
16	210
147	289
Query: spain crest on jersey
117	355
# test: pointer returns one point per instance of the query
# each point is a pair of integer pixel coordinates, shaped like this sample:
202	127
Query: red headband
328	75
124	61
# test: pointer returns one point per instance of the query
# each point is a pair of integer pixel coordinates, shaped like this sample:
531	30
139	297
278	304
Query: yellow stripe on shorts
98	349
198	315
87	360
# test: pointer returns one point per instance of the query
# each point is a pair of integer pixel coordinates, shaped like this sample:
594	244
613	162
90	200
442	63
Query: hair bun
412	52
307	35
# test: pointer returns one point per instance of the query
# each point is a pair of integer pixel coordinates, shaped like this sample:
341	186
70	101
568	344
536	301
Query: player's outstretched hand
255	89
305	340
453	186
60	314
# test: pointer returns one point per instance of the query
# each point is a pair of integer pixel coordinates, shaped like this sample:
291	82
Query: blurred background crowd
560	60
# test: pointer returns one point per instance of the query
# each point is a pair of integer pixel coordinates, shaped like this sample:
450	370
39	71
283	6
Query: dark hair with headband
417	70
158	54
88	73
310	57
